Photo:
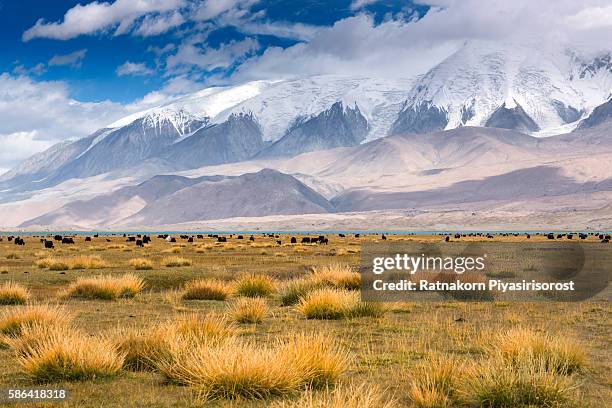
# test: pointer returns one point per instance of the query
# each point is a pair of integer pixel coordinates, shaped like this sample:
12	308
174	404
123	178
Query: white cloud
34	115
159	24
74	59
191	55
95	17
134	69
359	4
211	9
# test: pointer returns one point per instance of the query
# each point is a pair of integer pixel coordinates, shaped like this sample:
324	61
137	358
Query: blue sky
70	68
89	61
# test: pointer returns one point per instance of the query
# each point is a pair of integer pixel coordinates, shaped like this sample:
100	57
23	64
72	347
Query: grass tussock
105	287
12	255
140	346
255	286
498	385
141	264
348	396
12	293
237	368
59	354
294	290
337	276
14	320
434	383
332	304
206	289
194	328
249	310
78	262
176	261
522	346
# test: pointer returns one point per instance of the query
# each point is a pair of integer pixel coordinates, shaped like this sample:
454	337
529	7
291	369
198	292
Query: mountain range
491	125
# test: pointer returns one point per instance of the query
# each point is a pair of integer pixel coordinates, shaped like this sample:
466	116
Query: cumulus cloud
159	24
211	9
134	69
96	17
36	114
193	55
359	4
74	59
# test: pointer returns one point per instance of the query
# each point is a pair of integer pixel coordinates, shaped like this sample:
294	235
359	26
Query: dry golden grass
249	310
141	264
196	329
12	255
206	289
140	346
78	262
254	286
337	276
236	368
105	287
173	250
67	355
522	346
499	385
295	289
332	304
434	382
12	293
15	319
351	396
175	261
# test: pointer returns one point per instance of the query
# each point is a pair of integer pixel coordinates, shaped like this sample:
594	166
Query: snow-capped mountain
492	84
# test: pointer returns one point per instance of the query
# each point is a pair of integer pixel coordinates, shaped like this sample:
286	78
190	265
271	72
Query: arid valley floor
421	354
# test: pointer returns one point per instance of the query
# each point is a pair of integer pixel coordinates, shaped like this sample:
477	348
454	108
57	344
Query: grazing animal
19	241
305	240
357	235
58	237
457	236
325	241
190	239
384	237
48	244
293	240
447	238
221	239
67	240
341	235
251	238
570	236
172	239
139	243
108	240
550	236
146	239
608	237
279	242
240	237
87	239
528	236
200	236
131	239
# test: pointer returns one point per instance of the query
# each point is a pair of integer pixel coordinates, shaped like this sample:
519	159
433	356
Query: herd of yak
142	239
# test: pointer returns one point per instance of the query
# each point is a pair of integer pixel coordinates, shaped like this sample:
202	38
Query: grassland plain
426	354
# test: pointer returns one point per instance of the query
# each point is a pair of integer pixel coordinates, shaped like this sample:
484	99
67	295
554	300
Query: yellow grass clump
198	329
174	261
13	294
434	382
12	255
255	286
295	289
337	276
330	304
521	346
173	250
249	310
67	355
105	287
206	289
499	385
141	264
140	346
78	262
14	320
351	396
237	368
